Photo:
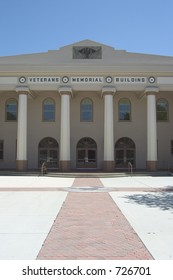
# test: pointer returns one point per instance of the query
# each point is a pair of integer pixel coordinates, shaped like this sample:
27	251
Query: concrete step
84	174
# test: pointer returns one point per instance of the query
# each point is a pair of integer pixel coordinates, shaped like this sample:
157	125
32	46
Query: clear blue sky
32	26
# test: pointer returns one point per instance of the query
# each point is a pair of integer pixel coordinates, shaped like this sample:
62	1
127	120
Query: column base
109	166
21	165
151	165
65	165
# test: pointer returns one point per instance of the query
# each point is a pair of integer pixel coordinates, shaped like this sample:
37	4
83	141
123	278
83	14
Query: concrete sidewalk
116	183
33	182
151	216
27	216
25	220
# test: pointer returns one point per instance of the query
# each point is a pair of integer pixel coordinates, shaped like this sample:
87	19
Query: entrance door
124	153
86	153
48	153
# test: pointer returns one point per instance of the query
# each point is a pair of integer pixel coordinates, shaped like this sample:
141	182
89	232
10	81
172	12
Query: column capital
23	90
66	90
151	90
108	90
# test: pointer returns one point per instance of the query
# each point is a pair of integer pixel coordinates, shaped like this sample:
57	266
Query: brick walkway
91	226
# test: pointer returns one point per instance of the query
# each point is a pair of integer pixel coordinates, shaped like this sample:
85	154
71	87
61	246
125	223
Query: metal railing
130	168
43	168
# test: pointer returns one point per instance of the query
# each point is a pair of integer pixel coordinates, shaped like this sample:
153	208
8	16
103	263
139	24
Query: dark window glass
124	110
162	110
86	110
49	110
11	110
172	147
1	149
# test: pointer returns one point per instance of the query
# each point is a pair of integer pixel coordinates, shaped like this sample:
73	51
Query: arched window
162	109
11	110
86	110
48	110
125	142
124	110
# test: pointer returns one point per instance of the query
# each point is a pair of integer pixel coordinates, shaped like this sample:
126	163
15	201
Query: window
124	110
171	147
162	110
1	149
48	110
11	110
86	110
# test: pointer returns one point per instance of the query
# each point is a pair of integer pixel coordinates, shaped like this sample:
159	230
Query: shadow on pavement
161	200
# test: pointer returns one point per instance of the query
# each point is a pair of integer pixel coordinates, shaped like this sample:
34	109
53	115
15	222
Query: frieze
91	80
46	80
86	80
130	80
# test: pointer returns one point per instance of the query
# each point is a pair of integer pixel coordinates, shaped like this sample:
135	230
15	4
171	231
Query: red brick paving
91	226
82	182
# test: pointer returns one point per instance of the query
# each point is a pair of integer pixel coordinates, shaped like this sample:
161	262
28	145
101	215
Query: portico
109	157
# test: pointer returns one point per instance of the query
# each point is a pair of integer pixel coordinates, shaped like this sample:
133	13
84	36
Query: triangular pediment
83	55
87	42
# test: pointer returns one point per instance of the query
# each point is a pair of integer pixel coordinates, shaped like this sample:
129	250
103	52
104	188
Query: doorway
48	152
86	153
124	153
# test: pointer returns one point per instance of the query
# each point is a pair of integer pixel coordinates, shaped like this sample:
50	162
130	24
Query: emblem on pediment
87	52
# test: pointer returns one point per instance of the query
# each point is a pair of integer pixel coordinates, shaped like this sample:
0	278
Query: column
65	161
21	161
151	128
109	163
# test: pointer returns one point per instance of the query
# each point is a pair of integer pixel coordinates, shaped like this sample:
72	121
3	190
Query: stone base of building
65	165
109	166
151	165
21	165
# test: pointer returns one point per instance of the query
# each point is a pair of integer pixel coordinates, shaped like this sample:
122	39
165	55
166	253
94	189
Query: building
86	106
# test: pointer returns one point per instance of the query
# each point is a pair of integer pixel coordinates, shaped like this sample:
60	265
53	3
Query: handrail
43	168
130	167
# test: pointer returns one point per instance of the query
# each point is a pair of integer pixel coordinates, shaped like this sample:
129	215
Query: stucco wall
136	129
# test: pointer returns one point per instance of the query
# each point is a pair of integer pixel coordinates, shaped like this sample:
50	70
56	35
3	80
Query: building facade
86	106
